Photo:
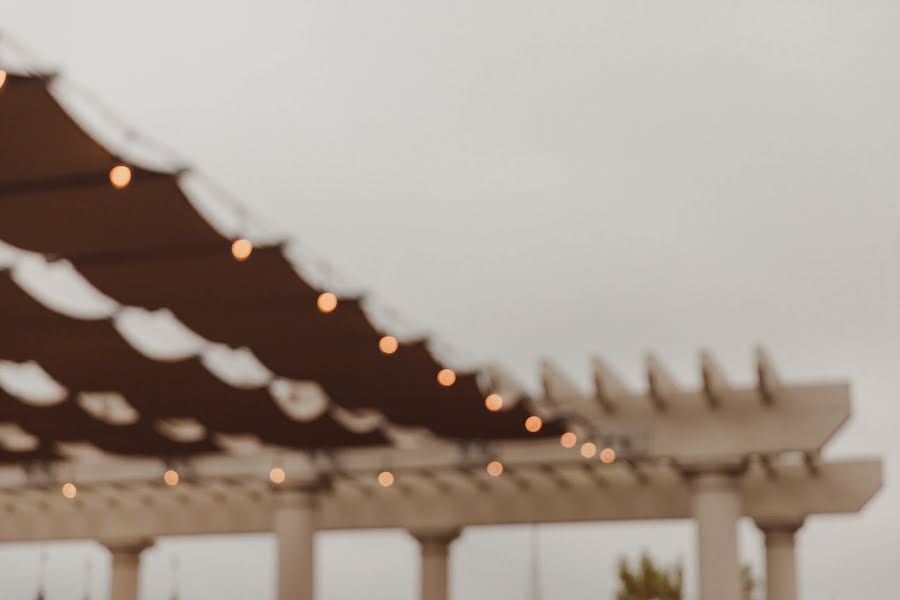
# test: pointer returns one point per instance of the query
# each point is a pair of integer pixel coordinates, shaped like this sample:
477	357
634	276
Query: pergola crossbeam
841	487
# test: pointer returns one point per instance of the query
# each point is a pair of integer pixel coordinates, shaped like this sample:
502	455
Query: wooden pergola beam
840	487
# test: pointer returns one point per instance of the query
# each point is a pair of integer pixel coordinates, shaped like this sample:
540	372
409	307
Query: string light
386	479
495	468
388	344
588	449
494	402
2	77
533	424
568	439
241	249
446	377
277	475
607	455
120	176
69	490
171	477
327	302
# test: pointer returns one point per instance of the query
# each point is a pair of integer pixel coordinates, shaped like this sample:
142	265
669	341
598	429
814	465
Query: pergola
208	387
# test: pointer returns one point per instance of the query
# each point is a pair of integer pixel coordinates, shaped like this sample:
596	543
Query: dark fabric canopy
41	144
147	246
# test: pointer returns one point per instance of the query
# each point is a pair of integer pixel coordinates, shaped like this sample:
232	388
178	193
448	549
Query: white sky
526	179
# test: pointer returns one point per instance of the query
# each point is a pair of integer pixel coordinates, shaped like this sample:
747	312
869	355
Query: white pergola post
781	563
716	509
435	569
295	528
126	568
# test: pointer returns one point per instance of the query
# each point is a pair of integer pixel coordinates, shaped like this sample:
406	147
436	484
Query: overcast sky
524	178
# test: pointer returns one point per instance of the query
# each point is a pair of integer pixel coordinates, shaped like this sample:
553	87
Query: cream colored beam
804	418
660	383
607	385
841	487
768	382
562	393
715	384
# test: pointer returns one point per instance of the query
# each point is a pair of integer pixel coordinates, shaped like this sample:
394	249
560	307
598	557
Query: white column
716	509
295	528
126	568
781	565
435	571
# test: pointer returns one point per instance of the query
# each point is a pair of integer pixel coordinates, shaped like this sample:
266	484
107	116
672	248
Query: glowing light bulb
69	490
120	176
446	377
241	249
588	449
171	477
386	479
388	344
568	439
495	468
494	402
277	475
327	302
607	455
533	424
2	77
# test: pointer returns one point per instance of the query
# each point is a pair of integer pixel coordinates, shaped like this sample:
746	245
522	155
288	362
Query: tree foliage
748	582
648	581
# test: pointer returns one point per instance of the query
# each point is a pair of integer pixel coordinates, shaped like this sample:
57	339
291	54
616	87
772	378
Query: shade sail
89	356
147	246
91	218
66	422
41	144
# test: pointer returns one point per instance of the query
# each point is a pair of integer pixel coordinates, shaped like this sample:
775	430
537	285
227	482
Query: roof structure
137	340
327	379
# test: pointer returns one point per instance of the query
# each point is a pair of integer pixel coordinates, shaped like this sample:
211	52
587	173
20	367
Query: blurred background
526	179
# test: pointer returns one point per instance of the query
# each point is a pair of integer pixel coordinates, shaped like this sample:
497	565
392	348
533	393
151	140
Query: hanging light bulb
386	479
588	449
446	377
327	302
277	475
171	477
241	249
2	78
69	490
493	402
388	344
568	439
120	176
495	468
607	456
533	424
